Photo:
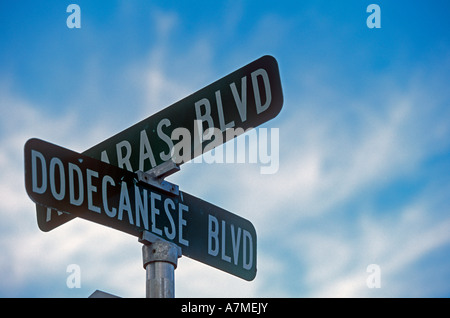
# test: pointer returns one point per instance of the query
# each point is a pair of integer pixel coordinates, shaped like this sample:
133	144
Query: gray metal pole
160	256
160	260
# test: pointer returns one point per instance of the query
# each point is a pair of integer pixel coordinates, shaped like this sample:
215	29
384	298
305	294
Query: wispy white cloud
337	263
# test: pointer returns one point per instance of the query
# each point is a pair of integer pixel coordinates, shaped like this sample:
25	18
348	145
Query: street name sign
242	100
77	184
234	104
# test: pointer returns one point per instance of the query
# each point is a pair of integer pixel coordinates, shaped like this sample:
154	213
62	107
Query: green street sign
242	100
67	181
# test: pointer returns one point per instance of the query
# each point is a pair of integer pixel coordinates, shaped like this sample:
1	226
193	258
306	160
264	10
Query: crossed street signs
181	132
238	102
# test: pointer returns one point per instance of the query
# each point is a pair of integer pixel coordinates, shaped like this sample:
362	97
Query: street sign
242	100
67	181
228	107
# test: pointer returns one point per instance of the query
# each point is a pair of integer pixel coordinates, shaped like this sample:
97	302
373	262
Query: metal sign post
160	259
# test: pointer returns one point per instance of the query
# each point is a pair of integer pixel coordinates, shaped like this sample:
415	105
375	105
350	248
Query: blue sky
364	140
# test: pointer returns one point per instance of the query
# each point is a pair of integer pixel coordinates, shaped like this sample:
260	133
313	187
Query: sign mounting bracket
155	177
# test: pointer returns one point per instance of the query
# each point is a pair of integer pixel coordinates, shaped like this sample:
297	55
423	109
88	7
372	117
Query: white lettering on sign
169	233
182	222
62	184
90	189
86	186
75	201
241	240
49	214
105	181
124	203
164	123
259	106
34	156
123	159
141	207
154	212
204	126
203	106
241	101
145	151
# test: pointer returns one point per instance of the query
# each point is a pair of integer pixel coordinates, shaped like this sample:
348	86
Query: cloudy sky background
364	140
